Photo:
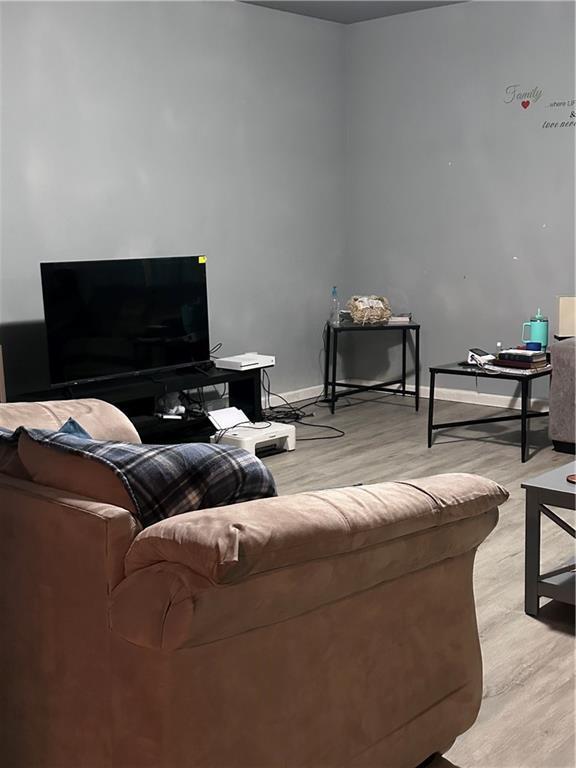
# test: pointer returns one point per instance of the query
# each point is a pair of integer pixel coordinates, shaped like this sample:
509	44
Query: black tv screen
123	316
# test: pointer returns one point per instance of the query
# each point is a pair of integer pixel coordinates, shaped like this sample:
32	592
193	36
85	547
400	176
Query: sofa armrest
562	392
225	545
59	520
208	575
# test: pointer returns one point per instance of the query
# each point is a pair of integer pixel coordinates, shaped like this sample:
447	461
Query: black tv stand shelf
135	395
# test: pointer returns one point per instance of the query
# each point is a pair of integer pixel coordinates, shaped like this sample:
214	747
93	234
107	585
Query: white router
245	362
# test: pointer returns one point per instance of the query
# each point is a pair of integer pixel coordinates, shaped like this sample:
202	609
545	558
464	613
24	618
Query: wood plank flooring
527	715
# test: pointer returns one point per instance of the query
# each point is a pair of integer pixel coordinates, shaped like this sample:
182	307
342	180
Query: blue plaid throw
166	480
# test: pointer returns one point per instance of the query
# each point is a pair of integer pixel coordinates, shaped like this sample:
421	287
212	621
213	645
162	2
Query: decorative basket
369	310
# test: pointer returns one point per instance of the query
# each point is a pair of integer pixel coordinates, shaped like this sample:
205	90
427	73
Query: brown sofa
323	629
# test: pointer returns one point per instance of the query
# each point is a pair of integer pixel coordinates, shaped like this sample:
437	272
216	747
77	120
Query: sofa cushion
75	473
102	420
151	481
10	462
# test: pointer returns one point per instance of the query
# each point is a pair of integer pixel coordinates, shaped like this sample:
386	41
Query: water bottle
335	308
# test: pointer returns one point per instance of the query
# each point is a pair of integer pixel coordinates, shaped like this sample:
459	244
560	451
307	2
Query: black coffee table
548	490
524	379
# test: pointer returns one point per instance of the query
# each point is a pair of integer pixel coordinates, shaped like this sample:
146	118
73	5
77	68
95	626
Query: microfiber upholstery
76	474
329	629
562	422
101	420
10	461
279	558
226	545
151	481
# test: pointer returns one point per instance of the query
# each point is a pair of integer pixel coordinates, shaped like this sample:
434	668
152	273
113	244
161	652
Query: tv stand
135	396
207	365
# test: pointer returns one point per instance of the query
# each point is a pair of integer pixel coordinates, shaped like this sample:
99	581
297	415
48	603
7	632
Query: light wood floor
527	715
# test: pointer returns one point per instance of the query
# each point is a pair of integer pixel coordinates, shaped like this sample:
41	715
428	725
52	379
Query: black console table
138	391
331	383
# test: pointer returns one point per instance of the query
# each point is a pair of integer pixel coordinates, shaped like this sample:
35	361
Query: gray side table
548	490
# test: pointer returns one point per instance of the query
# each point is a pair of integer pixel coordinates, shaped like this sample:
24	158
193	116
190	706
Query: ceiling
350	11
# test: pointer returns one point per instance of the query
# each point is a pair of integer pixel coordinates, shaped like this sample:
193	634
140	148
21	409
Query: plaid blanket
166	480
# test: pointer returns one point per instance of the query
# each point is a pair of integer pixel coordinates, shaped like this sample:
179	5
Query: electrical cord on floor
290	414
286	413
350	400
339	432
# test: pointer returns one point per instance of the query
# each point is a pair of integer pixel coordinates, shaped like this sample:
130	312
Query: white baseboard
481	398
440	393
297	395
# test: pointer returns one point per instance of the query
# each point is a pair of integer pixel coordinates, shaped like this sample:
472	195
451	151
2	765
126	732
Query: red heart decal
525	104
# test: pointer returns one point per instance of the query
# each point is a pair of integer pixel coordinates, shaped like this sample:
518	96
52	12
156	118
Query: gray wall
460	206
143	129
139	129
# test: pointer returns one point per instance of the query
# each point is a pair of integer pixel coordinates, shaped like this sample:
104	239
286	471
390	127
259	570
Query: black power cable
289	414
215	348
246	424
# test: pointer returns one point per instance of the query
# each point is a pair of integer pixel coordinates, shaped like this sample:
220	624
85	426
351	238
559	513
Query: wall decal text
525	97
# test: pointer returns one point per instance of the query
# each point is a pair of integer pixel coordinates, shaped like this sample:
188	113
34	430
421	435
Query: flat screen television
120	317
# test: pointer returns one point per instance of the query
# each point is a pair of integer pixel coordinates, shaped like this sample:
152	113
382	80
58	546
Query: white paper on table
225	418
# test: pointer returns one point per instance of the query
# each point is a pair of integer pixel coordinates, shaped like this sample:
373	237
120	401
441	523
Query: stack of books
521	358
404	317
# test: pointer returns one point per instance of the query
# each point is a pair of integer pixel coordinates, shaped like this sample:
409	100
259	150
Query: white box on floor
259	435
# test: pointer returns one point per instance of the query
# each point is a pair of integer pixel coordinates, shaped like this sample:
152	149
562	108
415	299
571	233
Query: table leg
532	554
327	330
417	368
334	370
524	418
246	394
403	362
431	408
